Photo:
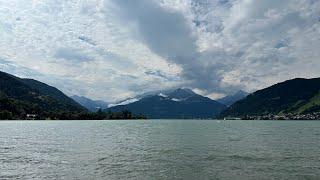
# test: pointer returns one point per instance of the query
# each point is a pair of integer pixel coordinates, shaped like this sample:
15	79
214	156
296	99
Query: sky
115	49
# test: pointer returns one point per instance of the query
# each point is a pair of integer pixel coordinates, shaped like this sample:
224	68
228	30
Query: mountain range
296	96
91	105
181	103
20	96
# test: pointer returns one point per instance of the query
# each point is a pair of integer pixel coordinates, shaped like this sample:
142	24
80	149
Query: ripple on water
234	138
102	159
7	148
22	160
161	150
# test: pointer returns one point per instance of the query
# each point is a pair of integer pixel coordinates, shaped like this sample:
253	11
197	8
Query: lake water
160	150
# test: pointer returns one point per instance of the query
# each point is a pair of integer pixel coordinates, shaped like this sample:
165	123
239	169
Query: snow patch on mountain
163	95
128	101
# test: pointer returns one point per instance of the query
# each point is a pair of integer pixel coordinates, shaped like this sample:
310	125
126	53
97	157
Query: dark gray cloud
169	34
247	37
166	32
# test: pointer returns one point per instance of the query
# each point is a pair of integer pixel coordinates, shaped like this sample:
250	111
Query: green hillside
297	96
19	97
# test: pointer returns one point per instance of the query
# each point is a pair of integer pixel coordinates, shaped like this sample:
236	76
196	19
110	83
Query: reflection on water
160	150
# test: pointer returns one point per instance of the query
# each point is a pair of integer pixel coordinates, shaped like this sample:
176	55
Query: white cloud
113	49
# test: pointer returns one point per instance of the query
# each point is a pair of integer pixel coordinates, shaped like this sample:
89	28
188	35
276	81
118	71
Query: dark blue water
160	150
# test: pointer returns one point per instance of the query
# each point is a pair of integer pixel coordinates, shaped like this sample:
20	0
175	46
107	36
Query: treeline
7	115
100	115
11	109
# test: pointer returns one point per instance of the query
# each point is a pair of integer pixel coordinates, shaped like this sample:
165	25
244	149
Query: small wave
168	151
7	148
234	138
247	158
293	157
22	159
18	138
234	157
102	159
211	158
10	177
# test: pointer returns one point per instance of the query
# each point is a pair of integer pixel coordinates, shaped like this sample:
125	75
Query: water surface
160	149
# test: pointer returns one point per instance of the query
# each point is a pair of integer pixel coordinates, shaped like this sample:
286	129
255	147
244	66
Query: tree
5	115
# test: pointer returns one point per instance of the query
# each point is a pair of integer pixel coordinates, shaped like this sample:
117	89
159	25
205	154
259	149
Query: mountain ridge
231	99
22	96
180	103
92	105
295	96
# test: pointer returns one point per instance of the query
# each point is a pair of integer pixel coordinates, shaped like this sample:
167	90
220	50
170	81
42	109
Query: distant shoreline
162	120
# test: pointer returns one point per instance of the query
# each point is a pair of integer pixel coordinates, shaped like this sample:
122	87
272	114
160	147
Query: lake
160	149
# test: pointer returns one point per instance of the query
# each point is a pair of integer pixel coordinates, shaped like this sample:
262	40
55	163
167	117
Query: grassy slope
293	96
313	102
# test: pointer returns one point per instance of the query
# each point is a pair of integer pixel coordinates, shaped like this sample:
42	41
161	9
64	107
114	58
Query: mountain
229	100
296	96
180	103
50	91
140	96
21	96
92	105
181	94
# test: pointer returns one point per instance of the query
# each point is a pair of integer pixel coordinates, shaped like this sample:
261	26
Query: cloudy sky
113	49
